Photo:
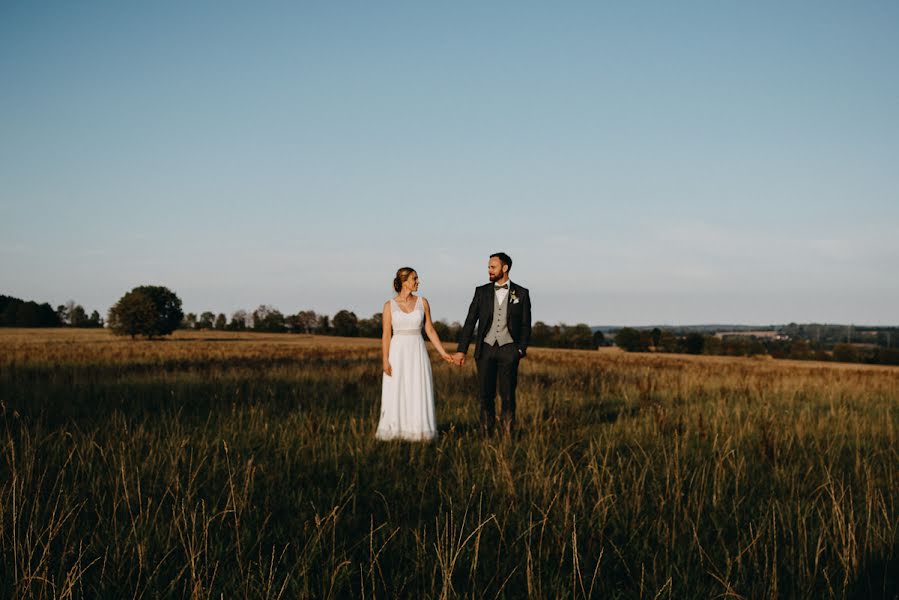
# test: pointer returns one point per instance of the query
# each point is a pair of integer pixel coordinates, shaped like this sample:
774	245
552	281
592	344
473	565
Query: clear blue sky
651	162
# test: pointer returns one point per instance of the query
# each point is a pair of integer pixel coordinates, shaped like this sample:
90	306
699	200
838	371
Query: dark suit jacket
518	318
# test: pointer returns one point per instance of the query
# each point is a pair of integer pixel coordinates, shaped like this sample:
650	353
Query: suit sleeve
468	329
525	324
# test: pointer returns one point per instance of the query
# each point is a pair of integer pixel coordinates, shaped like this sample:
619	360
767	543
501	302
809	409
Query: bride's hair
402	275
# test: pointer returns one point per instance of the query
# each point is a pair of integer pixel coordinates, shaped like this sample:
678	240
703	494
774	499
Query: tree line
155	311
783	346
15	312
346	323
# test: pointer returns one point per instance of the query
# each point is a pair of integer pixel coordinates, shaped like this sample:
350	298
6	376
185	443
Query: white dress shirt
501	294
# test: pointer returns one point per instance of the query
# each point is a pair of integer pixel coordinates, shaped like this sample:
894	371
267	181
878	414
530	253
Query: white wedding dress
407	396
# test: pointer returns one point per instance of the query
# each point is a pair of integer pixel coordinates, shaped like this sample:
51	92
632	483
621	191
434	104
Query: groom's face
495	269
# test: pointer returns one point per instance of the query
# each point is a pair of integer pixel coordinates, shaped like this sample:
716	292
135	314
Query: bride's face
411	283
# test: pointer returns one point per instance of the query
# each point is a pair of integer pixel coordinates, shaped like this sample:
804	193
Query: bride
407	392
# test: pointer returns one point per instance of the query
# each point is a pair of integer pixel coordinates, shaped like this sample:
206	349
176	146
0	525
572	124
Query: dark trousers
497	364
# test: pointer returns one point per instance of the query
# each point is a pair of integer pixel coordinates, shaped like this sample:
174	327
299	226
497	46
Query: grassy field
244	466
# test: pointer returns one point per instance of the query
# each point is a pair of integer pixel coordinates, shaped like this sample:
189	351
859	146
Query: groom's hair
503	258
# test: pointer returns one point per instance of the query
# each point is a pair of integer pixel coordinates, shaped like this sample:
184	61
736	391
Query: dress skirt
407	396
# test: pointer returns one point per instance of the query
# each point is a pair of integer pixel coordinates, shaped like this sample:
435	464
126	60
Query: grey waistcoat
499	329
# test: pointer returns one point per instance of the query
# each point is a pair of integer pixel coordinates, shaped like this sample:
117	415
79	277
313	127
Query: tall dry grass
244	466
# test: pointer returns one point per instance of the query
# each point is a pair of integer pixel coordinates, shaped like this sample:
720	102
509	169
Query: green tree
667	342
221	322
307	321
26	315
444	332
580	336
148	310
323	325
18	313
455	331
694	343
540	334
269	319
599	339
293	324
32	314
206	321
346	324
95	320
372	328
238	321
630	340
77	316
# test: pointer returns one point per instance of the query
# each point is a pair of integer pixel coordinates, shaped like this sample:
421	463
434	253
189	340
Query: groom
502	310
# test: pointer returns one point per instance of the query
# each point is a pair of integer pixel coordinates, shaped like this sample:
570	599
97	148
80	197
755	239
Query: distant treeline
788	343
345	323
15	312
843	343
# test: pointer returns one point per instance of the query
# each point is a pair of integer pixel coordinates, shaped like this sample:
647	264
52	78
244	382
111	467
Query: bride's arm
386	332
432	333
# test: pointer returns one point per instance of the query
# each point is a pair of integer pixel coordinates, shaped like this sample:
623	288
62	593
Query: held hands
457	359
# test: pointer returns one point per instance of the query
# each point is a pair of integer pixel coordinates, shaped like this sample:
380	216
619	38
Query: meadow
222	465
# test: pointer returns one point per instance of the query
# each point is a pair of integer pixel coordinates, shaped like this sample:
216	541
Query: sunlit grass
240	465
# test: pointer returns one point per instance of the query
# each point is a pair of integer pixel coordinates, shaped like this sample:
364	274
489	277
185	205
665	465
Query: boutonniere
513	297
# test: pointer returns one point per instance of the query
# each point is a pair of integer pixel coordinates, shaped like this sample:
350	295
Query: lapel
489	297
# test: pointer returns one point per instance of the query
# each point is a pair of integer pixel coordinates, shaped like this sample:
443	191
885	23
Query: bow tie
505	286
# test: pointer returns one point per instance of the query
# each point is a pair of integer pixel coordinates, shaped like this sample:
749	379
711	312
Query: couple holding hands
502	311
